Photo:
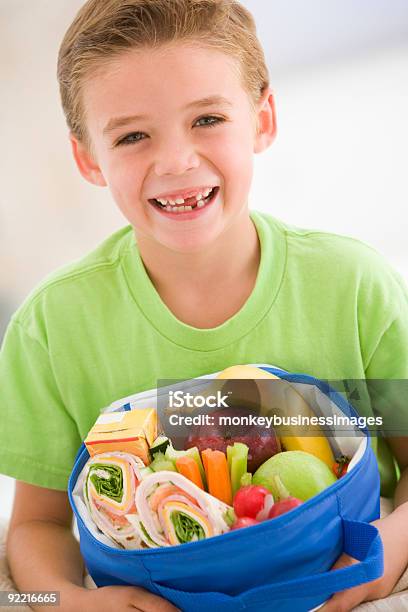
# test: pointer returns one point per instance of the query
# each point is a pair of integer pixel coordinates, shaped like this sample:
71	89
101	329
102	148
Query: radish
253	502
244	521
284	505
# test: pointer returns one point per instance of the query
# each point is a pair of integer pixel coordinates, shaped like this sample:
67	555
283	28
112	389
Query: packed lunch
141	490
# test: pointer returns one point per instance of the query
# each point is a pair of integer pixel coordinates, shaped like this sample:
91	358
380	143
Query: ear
86	163
266	122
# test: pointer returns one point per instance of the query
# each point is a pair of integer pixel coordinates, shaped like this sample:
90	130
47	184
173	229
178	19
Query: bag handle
362	541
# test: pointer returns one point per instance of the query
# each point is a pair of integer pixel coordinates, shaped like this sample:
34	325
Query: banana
281	399
294	405
315	445
242	372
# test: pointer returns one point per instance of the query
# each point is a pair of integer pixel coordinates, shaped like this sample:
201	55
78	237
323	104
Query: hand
121	599
394	535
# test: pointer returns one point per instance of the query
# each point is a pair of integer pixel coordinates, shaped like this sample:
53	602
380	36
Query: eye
131	138
209	121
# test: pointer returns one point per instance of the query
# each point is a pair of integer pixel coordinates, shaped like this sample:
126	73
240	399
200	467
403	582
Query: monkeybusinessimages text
179	399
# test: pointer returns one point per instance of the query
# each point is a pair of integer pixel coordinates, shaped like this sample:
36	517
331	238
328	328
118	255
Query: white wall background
339	69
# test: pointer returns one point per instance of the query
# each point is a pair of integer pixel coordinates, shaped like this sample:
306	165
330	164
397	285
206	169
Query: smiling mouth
200	200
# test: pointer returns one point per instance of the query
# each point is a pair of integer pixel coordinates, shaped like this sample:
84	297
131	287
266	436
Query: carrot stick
204	458
218	477
189	468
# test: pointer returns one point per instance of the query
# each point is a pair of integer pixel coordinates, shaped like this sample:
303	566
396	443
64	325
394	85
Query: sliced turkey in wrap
171	510
110	482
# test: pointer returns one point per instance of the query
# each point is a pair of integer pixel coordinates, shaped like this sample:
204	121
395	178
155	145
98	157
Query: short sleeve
387	370
38	437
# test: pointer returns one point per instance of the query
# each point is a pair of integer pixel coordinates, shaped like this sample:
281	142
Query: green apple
294	473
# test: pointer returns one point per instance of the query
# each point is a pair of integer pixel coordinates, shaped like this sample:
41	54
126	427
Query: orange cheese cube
130	431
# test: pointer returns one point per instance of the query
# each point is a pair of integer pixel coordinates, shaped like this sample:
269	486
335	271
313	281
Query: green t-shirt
97	330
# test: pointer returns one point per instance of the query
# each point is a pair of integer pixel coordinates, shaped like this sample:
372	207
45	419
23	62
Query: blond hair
103	29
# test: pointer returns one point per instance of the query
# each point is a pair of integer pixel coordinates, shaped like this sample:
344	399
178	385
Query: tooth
188	208
168	208
179	201
162	201
199	196
200	204
206	192
181	209
171	202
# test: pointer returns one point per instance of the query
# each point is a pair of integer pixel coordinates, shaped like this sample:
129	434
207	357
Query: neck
233	257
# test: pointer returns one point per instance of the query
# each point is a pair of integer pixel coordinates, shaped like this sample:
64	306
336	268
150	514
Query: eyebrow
119	122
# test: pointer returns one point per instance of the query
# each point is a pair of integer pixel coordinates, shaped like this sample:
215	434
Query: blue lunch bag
281	564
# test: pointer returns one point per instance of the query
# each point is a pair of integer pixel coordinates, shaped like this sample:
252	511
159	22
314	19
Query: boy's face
174	124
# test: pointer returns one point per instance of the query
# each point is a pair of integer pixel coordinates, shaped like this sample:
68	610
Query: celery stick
172	454
239	462
159	466
230	453
229	517
246	479
161	462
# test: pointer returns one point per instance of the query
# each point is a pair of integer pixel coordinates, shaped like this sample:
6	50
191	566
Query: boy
166	102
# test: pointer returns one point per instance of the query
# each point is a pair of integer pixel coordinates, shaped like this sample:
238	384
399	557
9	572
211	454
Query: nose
175	157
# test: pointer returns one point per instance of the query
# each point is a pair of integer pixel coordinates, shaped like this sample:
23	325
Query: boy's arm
399	447
44	555
394	534
40	523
